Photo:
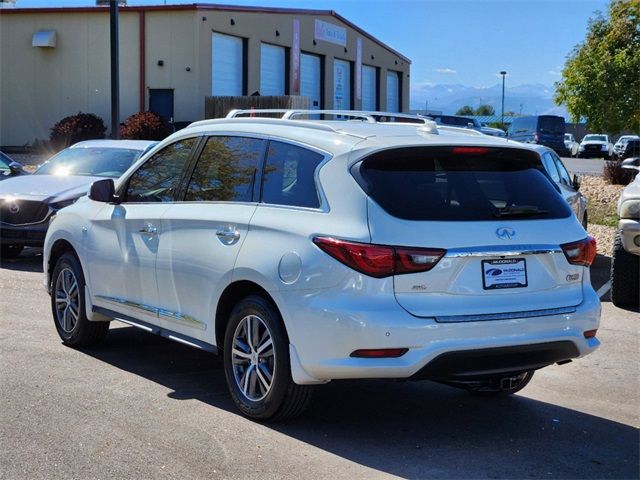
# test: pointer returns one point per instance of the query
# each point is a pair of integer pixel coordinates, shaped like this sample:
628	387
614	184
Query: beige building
55	62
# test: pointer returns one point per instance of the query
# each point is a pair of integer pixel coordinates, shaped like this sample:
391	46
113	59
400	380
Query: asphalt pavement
584	166
139	406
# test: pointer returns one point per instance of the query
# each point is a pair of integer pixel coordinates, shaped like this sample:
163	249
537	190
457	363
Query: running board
163	332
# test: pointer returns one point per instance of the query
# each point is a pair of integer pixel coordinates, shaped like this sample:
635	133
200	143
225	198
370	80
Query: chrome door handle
149	229
228	236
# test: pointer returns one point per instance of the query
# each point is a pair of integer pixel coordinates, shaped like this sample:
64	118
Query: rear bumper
629	230
28	235
326	327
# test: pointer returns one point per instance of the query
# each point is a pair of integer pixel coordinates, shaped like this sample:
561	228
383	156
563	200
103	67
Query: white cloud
445	70
554	72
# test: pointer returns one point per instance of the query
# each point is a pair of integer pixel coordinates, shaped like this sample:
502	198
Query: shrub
75	128
616	175
144	126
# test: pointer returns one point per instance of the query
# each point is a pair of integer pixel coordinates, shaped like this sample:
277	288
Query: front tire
625	273
68	305
256	363
10	250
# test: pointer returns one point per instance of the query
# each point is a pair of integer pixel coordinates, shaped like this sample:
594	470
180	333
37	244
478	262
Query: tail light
580	253
470	150
379	353
380	260
590	333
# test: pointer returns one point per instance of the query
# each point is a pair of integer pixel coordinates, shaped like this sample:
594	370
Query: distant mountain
526	99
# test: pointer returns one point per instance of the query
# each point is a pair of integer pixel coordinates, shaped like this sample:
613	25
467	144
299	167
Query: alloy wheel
67	301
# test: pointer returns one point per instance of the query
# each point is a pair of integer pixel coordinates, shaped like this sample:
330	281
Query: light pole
503	73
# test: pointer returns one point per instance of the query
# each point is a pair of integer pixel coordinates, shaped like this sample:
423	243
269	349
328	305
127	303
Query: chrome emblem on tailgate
505	233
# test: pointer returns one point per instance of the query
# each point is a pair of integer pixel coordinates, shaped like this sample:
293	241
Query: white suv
305	251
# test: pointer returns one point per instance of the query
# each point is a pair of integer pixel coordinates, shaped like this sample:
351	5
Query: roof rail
466	131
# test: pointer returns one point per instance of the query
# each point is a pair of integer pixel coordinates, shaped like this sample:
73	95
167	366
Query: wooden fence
218	107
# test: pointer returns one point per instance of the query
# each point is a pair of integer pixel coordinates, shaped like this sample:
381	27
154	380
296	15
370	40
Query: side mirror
15	168
103	191
470	125
575	183
631	163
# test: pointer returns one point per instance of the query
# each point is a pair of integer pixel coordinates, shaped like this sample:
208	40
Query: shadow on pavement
410	429
30	260
601	274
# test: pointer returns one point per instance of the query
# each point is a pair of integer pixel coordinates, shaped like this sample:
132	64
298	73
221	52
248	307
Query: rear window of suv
460	184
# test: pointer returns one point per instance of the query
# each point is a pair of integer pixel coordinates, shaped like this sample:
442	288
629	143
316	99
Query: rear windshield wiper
519	211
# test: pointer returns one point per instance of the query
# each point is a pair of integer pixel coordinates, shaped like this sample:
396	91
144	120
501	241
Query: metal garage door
369	88
341	85
272	70
226	65
393	92
310	79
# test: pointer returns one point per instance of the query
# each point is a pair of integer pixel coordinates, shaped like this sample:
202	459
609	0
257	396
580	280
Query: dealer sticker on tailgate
504	273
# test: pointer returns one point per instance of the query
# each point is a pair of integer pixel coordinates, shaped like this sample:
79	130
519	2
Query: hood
594	142
47	187
631	191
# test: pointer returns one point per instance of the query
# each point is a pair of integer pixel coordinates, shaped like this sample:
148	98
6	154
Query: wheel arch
59	248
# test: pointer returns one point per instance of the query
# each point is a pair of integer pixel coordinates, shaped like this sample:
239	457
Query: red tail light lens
380	260
590	333
580	253
470	150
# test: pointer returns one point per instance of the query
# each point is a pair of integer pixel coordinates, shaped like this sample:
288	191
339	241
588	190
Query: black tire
625	273
284	399
500	386
81	332
585	220
10	250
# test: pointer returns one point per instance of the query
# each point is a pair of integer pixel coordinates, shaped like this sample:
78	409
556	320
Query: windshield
568	136
460	184
595	138
92	161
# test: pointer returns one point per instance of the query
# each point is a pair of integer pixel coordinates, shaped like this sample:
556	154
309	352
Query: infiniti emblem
14	208
505	233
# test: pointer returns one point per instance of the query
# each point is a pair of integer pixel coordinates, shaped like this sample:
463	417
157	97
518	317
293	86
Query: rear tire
68	305
257	365
625	273
585	220
10	250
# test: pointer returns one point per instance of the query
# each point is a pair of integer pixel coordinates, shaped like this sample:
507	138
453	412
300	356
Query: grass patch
603	214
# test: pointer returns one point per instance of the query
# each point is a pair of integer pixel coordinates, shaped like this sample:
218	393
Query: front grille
24	235
21	212
592	147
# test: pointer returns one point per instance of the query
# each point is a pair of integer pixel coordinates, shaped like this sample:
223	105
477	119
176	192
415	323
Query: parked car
625	263
596	145
9	168
467	122
305	251
547	130
571	145
630	148
569	187
618	147
27	202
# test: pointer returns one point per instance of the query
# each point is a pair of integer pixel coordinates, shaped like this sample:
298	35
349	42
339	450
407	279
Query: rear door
202	235
495	213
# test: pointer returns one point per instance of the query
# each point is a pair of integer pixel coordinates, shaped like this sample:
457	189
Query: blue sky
463	42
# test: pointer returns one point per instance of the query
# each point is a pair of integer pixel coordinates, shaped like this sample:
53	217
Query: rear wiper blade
519	211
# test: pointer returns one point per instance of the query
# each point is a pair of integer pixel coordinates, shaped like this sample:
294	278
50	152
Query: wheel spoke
253	379
255	334
73	289
65	319
249	331
73	309
245	379
264	346
266	382
241	354
242	345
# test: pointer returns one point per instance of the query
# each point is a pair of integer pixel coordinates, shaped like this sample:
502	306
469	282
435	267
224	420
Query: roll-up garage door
341	85
310	79
393	92
369	88
272	70
226	65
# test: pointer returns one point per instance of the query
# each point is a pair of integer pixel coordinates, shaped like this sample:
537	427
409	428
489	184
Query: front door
124	239
161	102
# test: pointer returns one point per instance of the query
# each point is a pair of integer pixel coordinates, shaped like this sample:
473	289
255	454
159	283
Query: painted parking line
604	289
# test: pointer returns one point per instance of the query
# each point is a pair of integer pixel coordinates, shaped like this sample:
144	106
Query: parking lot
140	406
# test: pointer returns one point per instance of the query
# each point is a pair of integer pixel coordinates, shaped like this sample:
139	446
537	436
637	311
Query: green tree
485	110
466	110
601	76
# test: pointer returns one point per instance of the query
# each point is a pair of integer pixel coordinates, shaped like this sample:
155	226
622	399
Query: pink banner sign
296	57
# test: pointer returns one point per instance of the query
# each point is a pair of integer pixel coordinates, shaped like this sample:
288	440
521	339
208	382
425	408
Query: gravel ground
603	199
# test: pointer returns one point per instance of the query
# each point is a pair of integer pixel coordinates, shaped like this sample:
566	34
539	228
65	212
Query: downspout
142	74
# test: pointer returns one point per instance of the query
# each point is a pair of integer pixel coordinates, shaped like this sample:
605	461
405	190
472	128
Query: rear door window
564	174
550	167
460	184
289	176
226	170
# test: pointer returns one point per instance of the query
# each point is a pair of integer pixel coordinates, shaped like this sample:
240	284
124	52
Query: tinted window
564	175
226	170
442	184
159	177
553	125
550	167
92	161
289	176
595	138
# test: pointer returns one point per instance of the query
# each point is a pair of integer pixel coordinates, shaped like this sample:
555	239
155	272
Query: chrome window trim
163	313
502	251
505	316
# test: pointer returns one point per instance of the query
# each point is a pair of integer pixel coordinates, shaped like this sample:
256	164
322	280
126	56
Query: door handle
228	236
149	229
